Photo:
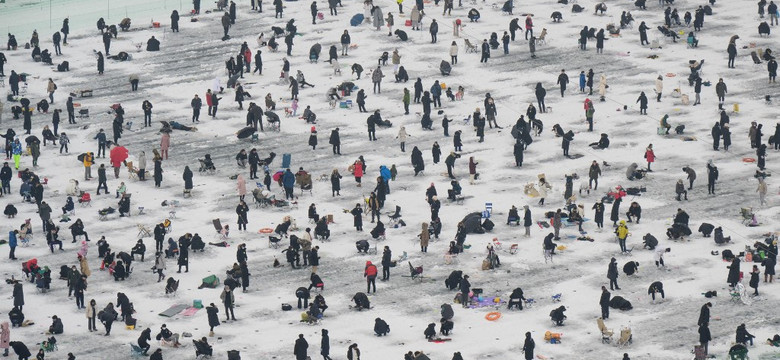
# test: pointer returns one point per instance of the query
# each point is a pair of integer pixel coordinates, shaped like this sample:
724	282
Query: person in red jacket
649	156
208	101
529	26
248	59
370	274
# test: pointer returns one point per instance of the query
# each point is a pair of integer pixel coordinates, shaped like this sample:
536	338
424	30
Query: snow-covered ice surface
190	60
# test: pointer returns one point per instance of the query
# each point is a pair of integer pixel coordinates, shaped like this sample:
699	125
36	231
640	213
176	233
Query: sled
190	311
173	310
439	340
543	224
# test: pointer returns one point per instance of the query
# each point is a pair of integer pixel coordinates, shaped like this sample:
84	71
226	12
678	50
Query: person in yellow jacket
400	6
622	234
88	160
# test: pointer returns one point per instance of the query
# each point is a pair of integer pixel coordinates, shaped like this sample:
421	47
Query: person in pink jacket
241	186
165	142
5	337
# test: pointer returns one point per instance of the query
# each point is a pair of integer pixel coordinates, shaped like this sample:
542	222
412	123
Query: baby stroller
415	272
262	197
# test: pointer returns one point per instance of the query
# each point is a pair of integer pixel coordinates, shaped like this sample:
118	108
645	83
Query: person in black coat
212	311
301	348
656	287
642	100
604	302
465	288
515	299
615	215
325	345
704	337
335	141
380	327
18	295
566	140
158	172
528	346
743	336
361	99
540	94
704	314
387	262
156	355
357	215
643	33
143	340
563	79
612	274
20	349
175	21
430	331
733	277
186	176
716	134
517	151
527	220
417	161
232	10
485	51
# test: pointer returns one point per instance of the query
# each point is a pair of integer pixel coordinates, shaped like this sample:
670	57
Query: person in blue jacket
288	182
583	81
12	243
386	176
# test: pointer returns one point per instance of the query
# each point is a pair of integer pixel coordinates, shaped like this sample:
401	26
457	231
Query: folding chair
143	231
625	337
488	210
274	242
85	200
606	334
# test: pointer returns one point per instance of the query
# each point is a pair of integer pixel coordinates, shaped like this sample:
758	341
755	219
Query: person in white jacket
659	256
659	87
402	138
454	53
543	187
142	166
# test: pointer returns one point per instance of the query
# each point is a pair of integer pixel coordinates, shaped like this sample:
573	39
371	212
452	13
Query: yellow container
736	108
